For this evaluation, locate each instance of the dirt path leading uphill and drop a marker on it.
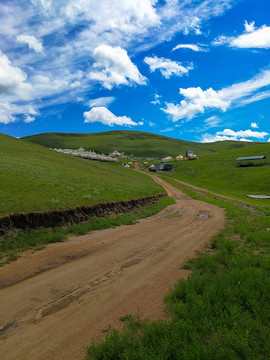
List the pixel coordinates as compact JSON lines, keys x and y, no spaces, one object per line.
{"x":74,"y":290}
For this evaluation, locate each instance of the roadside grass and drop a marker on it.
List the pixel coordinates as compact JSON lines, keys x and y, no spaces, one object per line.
{"x":34,"y":178}
{"x":12,"y":246}
{"x":222,"y":311}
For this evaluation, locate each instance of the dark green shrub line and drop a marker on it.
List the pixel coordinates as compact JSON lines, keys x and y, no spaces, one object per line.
{"x":11,"y":246}
{"x":222,"y":311}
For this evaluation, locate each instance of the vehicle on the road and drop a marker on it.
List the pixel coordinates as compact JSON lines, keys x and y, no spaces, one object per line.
{"x":152,"y":168}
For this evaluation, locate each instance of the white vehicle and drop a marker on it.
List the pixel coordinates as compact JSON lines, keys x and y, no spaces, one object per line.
{"x":190,"y":155}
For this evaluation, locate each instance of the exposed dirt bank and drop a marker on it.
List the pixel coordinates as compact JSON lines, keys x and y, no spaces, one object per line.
{"x":109,"y":273}
{"x":53,"y":218}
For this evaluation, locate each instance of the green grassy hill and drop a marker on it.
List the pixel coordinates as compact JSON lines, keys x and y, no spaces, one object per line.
{"x":218,"y":172}
{"x":139,"y":144}
{"x":33,"y":177}
{"x":36,"y":178}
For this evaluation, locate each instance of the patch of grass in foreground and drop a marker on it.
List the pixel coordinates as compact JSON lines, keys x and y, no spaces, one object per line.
{"x":222,"y":311}
{"x":11,"y":246}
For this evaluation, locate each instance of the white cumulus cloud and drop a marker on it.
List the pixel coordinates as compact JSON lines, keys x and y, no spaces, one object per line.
{"x":114,"y":67}
{"x":13,"y":81}
{"x":121,"y":15}
{"x":32,"y":42}
{"x":196,"y":100}
{"x":209,"y":138}
{"x":103,"y":115}
{"x":8,"y":112}
{"x":29,"y":118}
{"x":167,"y":67}
{"x":254,"y":125}
{"x":228,"y":134}
{"x":253,"y":38}
{"x":249,"y":27}
{"x":243,"y":133}
{"x":71,"y":30}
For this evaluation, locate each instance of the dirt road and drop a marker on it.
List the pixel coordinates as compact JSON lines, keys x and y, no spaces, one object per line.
{"x":64,"y":295}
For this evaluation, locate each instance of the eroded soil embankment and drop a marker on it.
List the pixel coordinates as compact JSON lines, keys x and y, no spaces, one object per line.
{"x":53,"y":218}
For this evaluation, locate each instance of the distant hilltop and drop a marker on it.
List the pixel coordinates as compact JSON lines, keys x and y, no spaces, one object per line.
{"x":138,"y":143}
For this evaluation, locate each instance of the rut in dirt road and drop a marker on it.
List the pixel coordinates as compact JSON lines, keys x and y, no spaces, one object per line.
{"x":74,"y":290}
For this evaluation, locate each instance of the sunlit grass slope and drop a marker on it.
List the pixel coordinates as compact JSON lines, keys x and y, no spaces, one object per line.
{"x":131,"y":142}
{"x":218,"y":172}
{"x":33,"y":177}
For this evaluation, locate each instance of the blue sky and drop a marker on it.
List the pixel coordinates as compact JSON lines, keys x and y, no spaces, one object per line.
{"x":194,"y":70}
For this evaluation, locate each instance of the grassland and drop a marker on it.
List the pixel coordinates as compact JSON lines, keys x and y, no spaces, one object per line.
{"x":222,"y":311}
{"x":34,"y":178}
{"x":140,"y":144}
{"x":218,"y":172}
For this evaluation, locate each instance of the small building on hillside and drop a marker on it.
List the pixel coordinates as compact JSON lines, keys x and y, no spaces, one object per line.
{"x":251,"y":161}
{"x":164,"y":167}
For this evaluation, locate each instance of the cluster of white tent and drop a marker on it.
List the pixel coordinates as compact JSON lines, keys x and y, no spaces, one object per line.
{"x":92,"y":155}
{"x":189,"y":156}
{"x":169,"y":158}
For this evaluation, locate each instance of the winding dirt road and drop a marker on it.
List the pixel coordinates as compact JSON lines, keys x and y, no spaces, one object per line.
{"x":53,"y":301}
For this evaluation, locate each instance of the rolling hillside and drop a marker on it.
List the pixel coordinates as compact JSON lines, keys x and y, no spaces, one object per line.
{"x":33,"y":178}
{"x":218,"y":172}
{"x":139,"y":144}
